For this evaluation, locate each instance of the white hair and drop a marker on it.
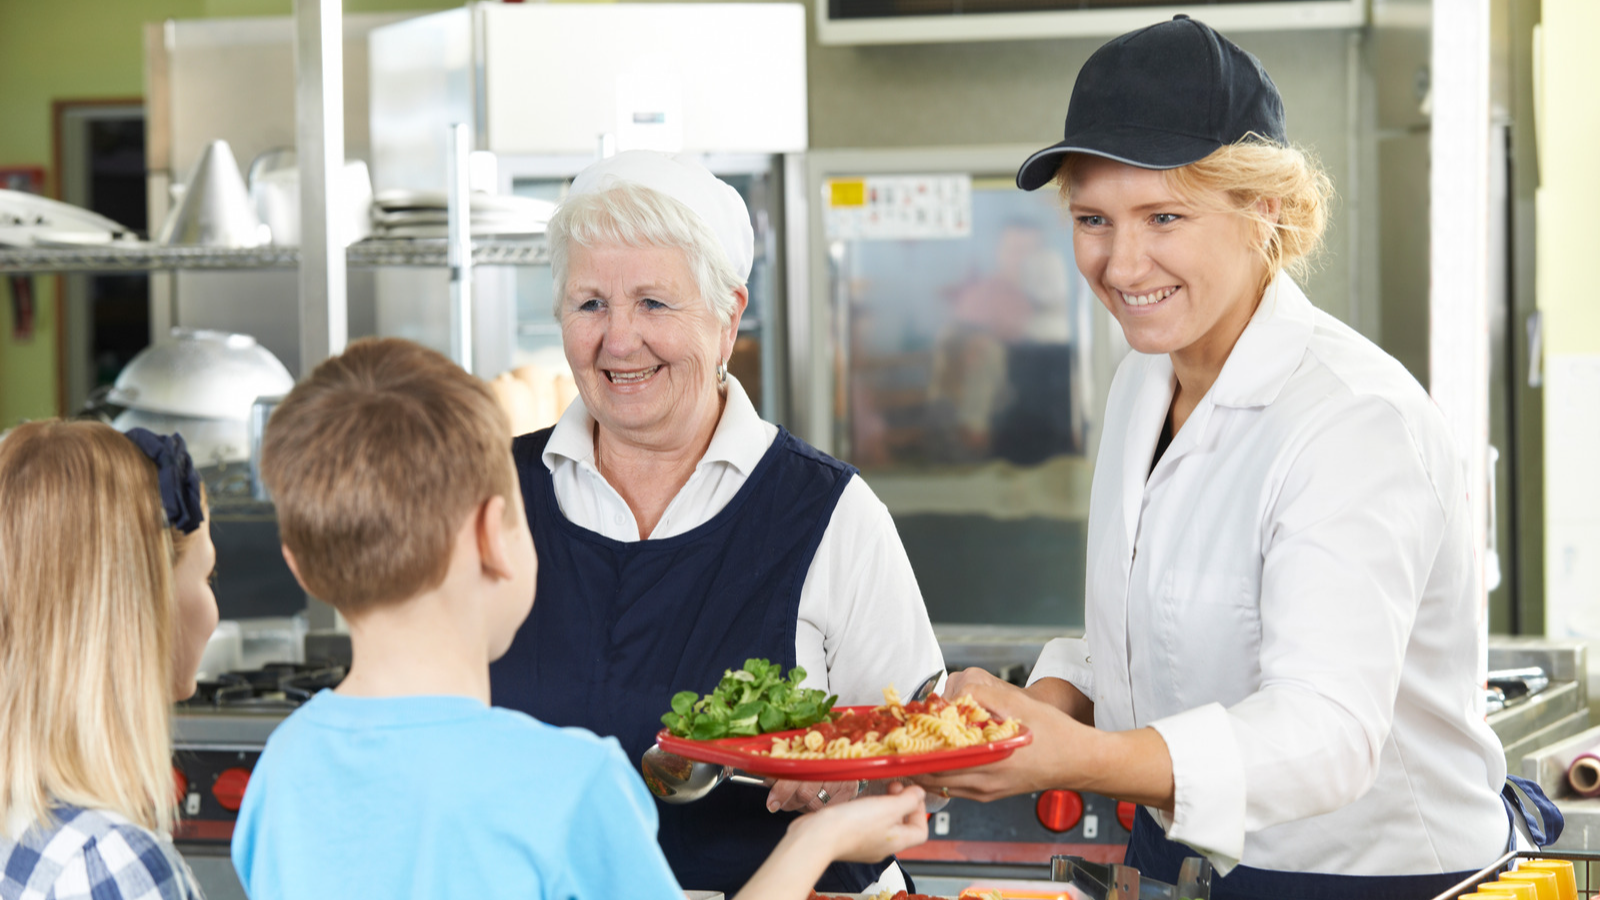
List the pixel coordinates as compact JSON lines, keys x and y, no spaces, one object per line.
{"x":634,"y":215}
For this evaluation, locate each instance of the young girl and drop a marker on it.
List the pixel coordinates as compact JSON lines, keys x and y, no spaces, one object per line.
{"x":105,"y":609}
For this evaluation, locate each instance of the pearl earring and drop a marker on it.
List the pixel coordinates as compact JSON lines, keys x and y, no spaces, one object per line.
{"x":722,"y":374}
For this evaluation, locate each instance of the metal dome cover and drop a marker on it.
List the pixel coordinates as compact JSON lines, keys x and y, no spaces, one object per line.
{"x":203,"y":374}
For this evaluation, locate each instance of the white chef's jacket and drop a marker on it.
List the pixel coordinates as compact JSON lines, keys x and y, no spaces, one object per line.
{"x":862,"y":623}
{"x":1289,"y":599}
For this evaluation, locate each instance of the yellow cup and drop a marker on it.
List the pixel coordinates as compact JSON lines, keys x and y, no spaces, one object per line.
{"x":1566,"y":885}
{"x":1522,"y":890}
{"x":1544,"y":881}
{"x":1489,"y":894}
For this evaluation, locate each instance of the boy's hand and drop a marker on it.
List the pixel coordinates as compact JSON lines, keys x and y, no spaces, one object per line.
{"x":871,"y":828}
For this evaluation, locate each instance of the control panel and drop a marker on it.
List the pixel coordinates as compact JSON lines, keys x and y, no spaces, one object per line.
{"x":1028,"y":828}
{"x":210,"y":783}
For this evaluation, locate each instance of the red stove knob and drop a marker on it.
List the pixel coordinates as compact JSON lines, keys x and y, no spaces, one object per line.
{"x":1125,"y":811}
{"x":229,"y":789}
{"x":180,"y":784}
{"x":1059,"y":810}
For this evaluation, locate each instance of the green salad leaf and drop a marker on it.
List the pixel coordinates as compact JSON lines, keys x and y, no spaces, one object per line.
{"x":756,"y":699}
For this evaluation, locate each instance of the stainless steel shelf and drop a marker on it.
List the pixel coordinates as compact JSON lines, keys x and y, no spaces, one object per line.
{"x":431,"y":252}
{"x":363,"y":255}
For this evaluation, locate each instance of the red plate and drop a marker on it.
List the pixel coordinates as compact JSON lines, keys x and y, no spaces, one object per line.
{"x":740,"y":752}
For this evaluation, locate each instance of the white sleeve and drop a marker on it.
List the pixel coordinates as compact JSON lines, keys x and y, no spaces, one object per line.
{"x":1067,"y":659}
{"x":1349,"y":542}
{"x":862,"y":624}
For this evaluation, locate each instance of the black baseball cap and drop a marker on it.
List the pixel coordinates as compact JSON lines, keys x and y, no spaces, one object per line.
{"x":1163,"y":97}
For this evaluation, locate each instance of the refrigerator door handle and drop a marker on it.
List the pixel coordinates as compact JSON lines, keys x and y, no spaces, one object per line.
{"x":1535,"y":329}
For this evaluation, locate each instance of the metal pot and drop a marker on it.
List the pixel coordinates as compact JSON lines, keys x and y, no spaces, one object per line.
{"x":203,"y":374}
{"x":200,"y":384}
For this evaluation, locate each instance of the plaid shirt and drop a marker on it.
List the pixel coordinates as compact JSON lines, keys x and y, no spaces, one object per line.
{"x":92,"y":855}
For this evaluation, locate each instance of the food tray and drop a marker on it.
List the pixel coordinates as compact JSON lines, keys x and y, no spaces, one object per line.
{"x":740,"y":752}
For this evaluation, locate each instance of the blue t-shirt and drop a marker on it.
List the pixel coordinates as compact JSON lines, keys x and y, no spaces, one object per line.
{"x":442,"y":797}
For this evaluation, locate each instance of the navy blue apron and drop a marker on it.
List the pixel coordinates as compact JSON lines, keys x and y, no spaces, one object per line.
{"x":618,"y":627}
{"x":1152,"y":854}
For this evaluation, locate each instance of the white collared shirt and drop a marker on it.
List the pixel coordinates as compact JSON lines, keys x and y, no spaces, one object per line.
{"x":862,"y":624}
{"x":1289,"y":599}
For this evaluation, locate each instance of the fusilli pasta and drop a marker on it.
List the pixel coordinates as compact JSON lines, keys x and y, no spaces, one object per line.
{"x":897,"y":728}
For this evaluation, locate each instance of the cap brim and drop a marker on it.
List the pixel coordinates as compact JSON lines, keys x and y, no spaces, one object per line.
{"x":1135,"y":147}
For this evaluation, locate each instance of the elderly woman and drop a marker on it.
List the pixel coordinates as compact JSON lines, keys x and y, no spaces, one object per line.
{"x":1282,"y":598}
{"x":678,"y":533}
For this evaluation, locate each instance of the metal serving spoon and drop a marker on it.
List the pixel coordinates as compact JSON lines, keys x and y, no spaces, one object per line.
{"x":677,"y":780}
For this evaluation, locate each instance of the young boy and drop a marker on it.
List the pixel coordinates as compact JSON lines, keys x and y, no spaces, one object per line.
{"x":399,"y":505}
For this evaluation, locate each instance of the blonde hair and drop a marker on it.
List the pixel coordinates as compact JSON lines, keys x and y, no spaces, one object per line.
{"x":87,"y":624}
{"x":374,"y":461}
{"x":634,"y":215}
{"x":1235,"y":177}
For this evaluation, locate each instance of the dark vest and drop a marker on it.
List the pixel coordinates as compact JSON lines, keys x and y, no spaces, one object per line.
{"x":618,"y":627}
{"x":1155,"y":856}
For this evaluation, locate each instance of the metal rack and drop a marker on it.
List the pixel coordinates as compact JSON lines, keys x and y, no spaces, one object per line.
{"x":1585,"y":864}
{"x":368,"y":254}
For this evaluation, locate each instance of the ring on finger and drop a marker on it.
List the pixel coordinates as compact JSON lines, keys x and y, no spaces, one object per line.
{"x":823,"y":796}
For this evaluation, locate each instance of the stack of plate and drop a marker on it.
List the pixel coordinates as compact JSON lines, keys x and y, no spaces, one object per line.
{"x":421,"y":214}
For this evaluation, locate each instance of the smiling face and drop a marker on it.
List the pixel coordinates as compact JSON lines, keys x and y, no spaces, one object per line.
{"x":643,"y":345}
{"x":1179,"y":277}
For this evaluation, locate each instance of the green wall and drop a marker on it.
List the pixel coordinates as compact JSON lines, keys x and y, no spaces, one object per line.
{"x":58,"y":50}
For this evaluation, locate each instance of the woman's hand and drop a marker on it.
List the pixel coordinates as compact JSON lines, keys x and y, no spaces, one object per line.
{"x":806,"y":795}
{"x":1065,"y":753}
{"x":1045,"y":763}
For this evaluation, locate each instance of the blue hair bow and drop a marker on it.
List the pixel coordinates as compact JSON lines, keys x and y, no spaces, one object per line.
{"x":180,"y":483}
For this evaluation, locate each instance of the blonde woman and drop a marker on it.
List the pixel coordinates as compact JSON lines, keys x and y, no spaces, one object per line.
{"x":1282,"y":603}
{"x":105,"y":608}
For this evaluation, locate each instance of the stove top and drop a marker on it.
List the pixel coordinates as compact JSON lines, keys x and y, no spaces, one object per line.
{"x":275,"y":687}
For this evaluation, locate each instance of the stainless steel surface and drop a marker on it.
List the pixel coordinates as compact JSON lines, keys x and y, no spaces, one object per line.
{"x":30,"y":220}
{"x":1119,"y":882}
{"x":319,"y":151}
{"x":1007,"y":651}
{"x":274,"y":184}
{"x":260,"y":412}
{"x":421,"y":252}
{"x":213,"y":870}
{"x":1585,"y":866}
{"x":795,"y":328}
{"x":1547,"y":766}
{"x":1561,"y":660}
{"x":677,"y":780}
{"x":458,"y":250}
{"x":941,"y":22}
{"x":215,"y":210}
{"x":210,"y":441}
{"x":1558,"y":729}
{"x":926,"y":687}
{"x":196,"y":72}
{"x":1518,"y":683}
{"x":204,"y":374}
{"x":475,"y":64}
{"x":1544,"y":717}
{"x":224,"y":729}
{"x":966,"y":378}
